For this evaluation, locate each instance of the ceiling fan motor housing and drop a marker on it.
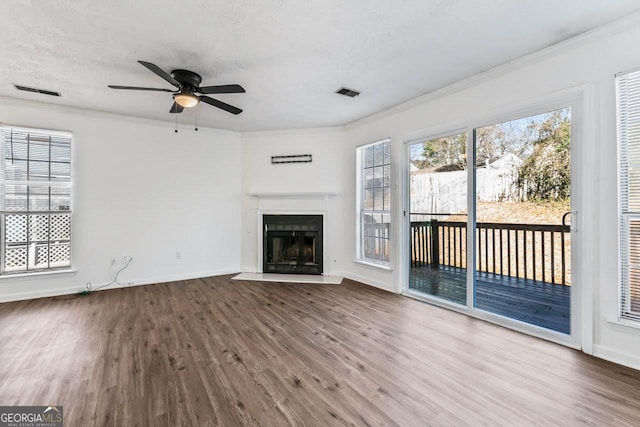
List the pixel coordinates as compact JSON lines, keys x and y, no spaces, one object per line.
{"x":187,"y":78}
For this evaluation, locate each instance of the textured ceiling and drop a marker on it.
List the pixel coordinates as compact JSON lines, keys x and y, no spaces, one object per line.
{"x":289,"y":55}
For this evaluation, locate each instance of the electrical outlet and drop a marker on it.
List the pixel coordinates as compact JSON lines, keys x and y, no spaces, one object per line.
{"x":114,"y":260}
{"x":125,"y":258}
{"x":178,"y":255}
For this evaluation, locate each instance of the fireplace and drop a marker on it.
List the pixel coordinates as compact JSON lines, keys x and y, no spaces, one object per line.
{"x":292,"y":244}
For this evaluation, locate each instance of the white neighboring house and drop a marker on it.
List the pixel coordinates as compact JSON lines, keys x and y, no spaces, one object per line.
{"x":498,"y":181}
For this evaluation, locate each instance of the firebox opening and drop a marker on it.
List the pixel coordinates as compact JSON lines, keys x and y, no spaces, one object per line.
{"x":292,"y":244}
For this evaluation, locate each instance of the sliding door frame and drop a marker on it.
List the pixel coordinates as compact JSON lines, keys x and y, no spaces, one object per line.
{"x":581,"y":303}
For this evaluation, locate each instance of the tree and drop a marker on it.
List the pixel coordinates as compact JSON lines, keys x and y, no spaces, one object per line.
{"x":546,"y":173}
{"x":491,"y":143}
{"x":445,"y":152}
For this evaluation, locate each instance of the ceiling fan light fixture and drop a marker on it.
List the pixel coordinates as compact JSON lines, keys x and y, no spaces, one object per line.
{"x":186,"y":100}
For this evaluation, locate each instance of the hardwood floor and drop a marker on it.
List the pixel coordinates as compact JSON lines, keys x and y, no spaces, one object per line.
{"x":220,"y":352}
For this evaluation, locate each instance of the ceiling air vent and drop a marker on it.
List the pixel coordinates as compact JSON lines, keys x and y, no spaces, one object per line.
{"x":33,"y":89}
{"x":348,"y":92}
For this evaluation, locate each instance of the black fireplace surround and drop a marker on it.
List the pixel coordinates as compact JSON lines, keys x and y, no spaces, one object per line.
{"x":292,"y":244}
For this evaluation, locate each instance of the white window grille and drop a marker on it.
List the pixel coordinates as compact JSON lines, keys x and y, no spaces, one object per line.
{"x":35,"y":200}
{"x":628,"y":115}
{"x":374,"y":201}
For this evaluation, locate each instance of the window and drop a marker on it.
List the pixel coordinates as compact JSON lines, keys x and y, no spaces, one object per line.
{"x":374,"y":201}
{"x":35,"y":200}
{"x":628,"y":100}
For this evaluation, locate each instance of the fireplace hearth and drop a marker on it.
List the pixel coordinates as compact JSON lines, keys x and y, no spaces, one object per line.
{"x":292,"y":244}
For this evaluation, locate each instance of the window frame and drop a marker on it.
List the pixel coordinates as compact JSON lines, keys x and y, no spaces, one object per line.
{"x":360,"y":256}
{"x":51,"y":184}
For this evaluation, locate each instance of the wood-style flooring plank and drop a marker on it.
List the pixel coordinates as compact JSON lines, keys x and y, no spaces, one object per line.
{"x":218,"y":352}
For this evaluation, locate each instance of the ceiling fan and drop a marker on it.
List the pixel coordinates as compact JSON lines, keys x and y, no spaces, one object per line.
{"x":188,"y":86}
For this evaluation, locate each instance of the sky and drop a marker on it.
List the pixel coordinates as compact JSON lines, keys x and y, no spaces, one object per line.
{"x":518,"y":127}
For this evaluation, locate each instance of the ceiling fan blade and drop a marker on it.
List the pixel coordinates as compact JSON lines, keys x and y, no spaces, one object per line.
{"x":221,"y":89}
{"x":140,"y":88}
{"x":159,"y":71}
{"x":175,"y":108}
{"x":221,"y":105}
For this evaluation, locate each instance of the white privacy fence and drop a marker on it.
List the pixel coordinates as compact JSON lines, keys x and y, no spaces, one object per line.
{"x":446,"y":192}
{"x":439,"y":192}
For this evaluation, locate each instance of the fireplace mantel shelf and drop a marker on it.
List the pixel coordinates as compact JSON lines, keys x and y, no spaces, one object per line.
{"x":293,"y":194}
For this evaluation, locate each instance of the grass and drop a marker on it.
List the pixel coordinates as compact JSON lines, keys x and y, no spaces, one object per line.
{"x":522,"y":212}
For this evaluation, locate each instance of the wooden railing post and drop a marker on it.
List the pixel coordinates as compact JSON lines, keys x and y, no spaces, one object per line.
{"x":435,"y":244}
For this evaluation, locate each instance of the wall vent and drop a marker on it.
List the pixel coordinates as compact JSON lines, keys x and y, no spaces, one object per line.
{"x":348,"y":92}
{"x":33,"y":89}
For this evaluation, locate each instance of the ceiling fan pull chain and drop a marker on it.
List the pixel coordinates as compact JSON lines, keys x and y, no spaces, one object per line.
{"x":176,"y":131}
{"x":197,"y":116}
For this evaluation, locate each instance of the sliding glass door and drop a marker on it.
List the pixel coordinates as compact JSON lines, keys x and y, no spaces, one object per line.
{"x":523,"y":240}
{"x":438,"y":217}
{"x":520,"y":237}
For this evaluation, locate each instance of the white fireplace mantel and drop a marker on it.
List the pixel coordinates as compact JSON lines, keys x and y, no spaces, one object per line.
{"x":292,"y":203}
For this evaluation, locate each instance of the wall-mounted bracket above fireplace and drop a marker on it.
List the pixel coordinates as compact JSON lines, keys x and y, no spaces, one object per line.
{"x":296,"y":158}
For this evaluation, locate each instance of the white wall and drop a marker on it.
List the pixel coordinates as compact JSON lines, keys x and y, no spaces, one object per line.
{"x":585,"y":67}
{"x":144,"y":191}
{"x":290,"y":187}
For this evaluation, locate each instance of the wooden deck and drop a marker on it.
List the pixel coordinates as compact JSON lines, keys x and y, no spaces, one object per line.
{"x":531,"y":301}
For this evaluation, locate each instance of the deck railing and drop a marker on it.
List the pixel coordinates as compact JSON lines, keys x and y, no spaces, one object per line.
{"x":531,"y":251}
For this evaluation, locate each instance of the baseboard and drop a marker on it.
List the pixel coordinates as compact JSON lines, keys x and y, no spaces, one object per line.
{"x":615,"y":356}
{"x":177,"y":277}
{"x":45,"y":293}
{"x":41,"y":293}
{"x":366,"y":281}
